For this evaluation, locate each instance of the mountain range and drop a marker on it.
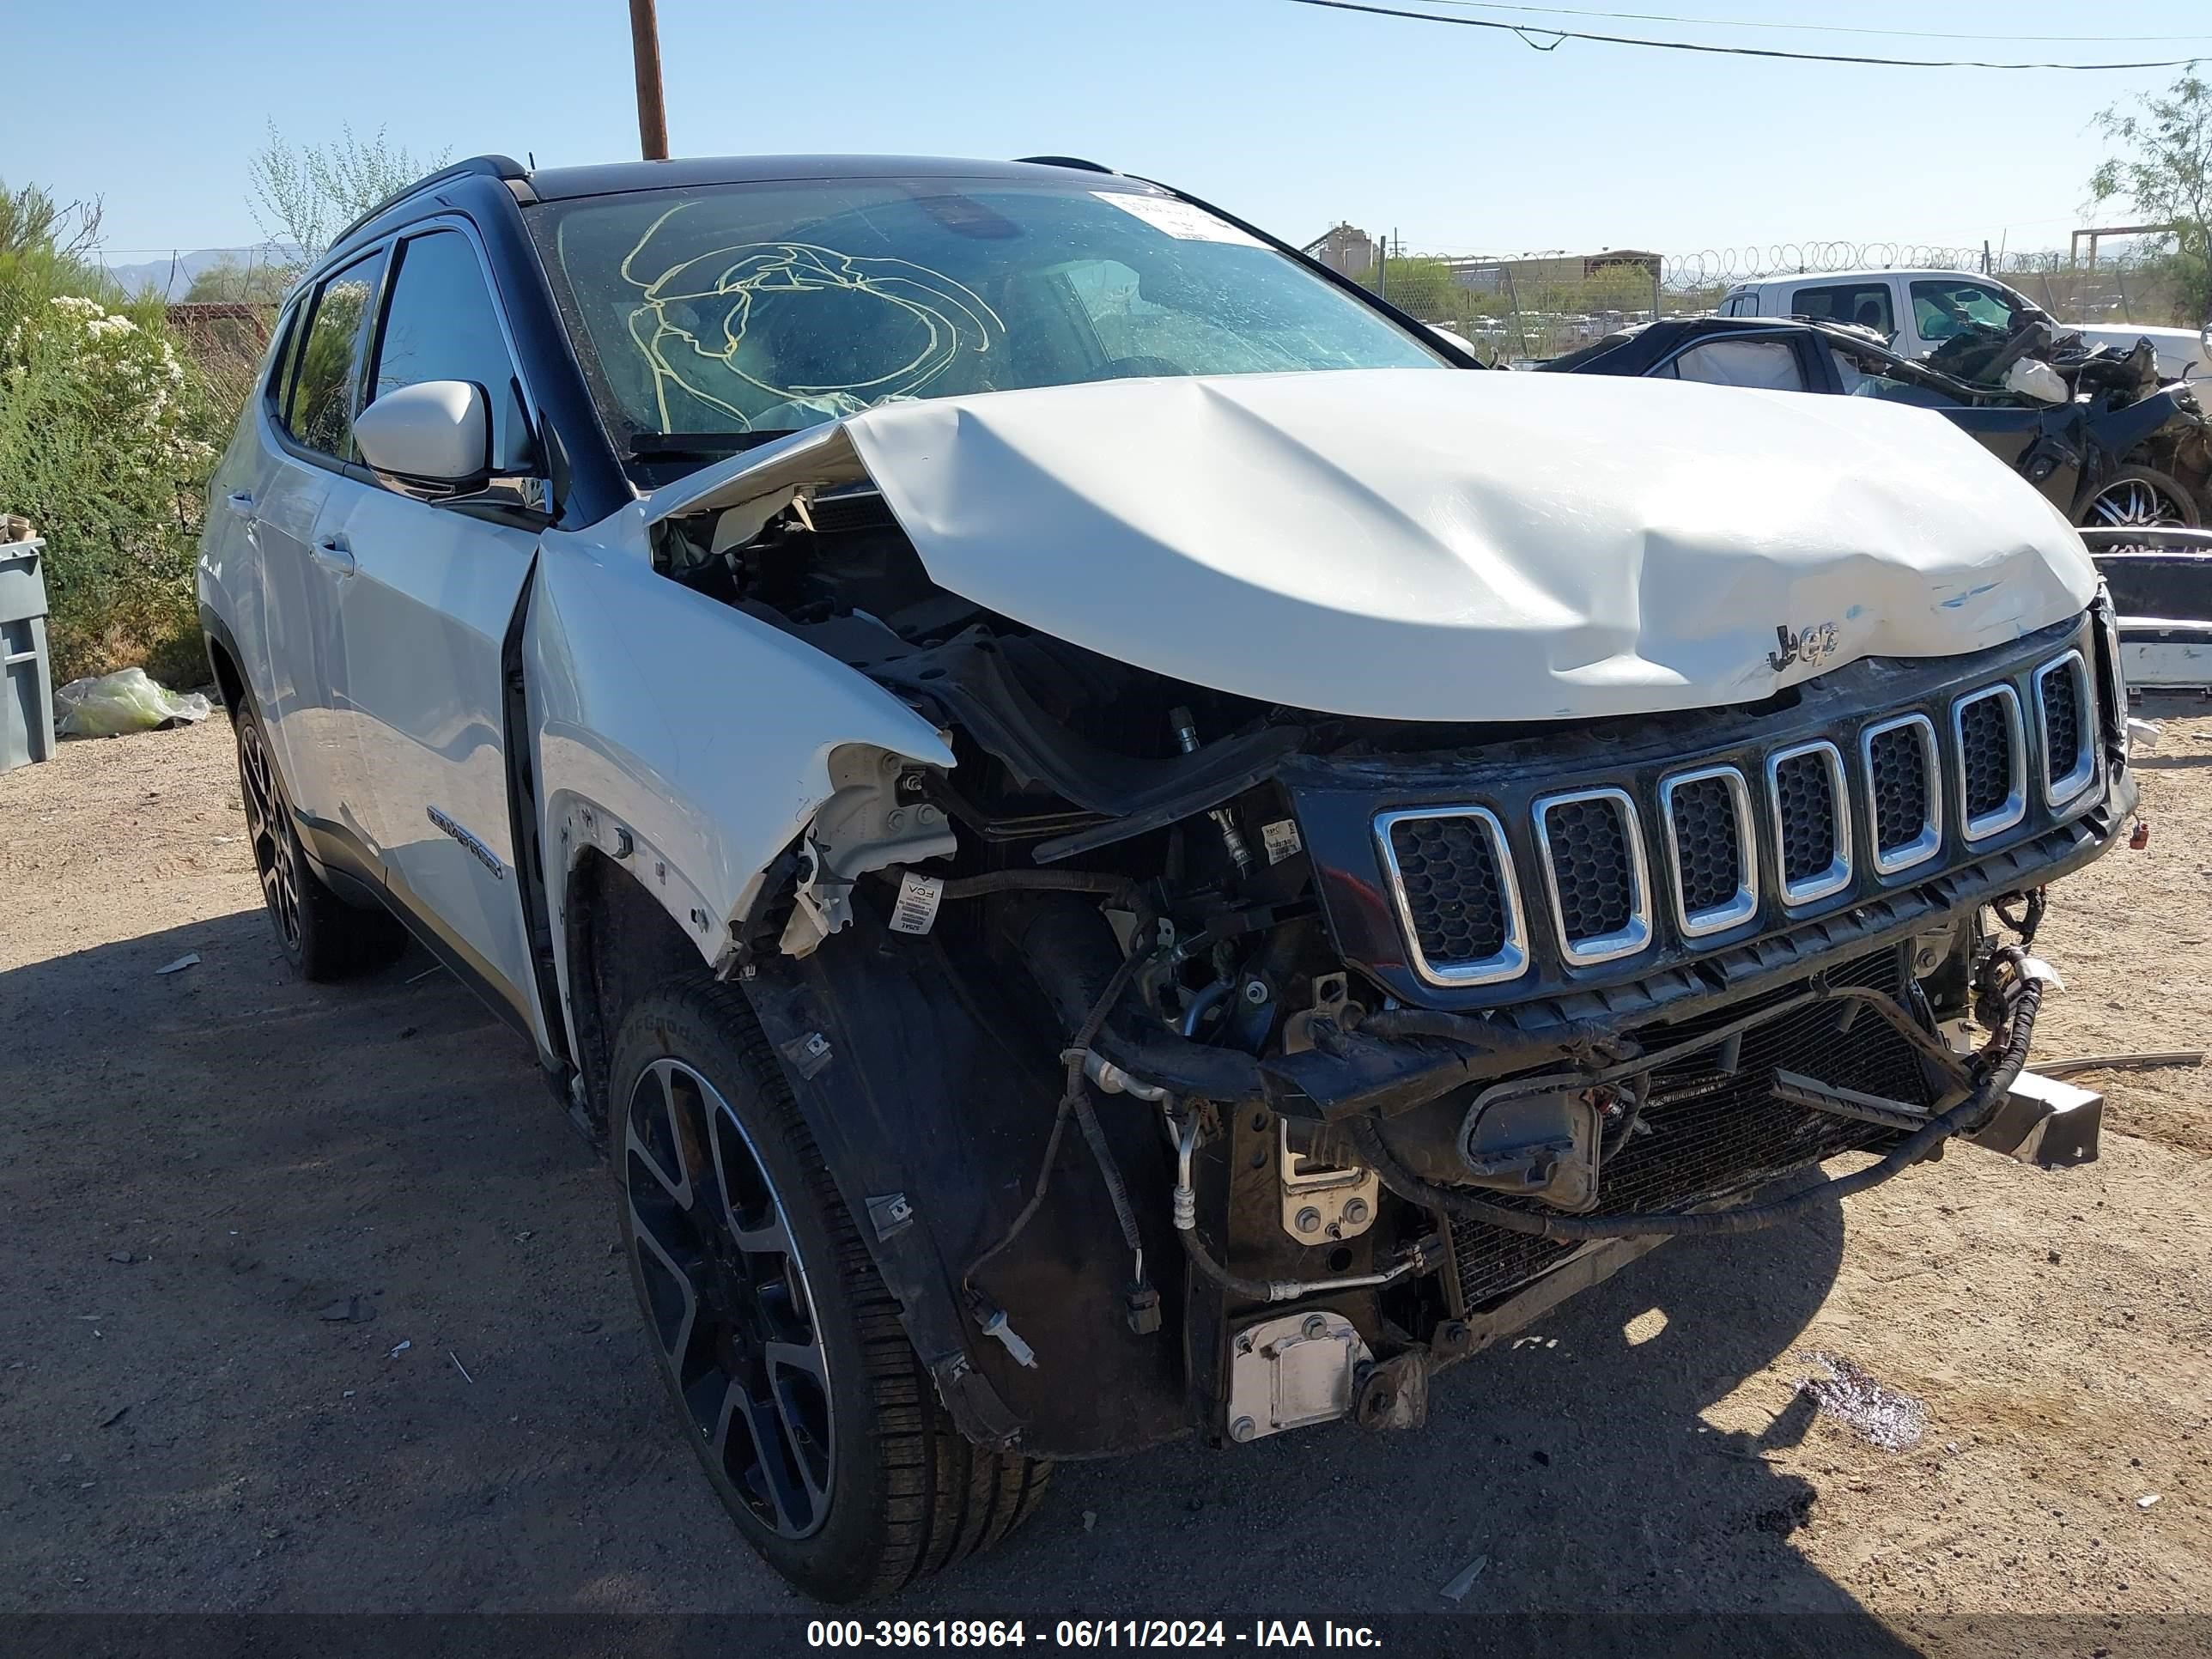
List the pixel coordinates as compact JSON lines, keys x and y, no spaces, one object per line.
{"x":172,"y":278}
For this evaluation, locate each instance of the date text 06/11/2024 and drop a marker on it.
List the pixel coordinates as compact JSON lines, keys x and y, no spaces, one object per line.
{"x":1077,"y":1633}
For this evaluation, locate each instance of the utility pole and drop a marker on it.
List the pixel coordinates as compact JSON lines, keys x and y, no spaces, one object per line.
{"x":652,"y":114}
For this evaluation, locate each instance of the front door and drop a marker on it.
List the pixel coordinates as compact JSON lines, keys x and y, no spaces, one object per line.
{"x":424,"y":619}
{"x":304,"y":580}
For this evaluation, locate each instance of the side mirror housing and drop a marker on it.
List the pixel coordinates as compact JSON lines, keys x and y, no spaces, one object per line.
{"x":434,"y":432}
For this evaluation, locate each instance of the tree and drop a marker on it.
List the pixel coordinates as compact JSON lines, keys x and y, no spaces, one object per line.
{"x":305,"y":194}
{"x":46,"y":248}
{"x":263,"y":281}
{"x":2165,"y":172}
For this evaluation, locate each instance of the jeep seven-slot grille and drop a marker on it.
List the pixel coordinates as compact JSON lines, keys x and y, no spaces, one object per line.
{"x":1985,"y":754}
{"x":1449,"y":874}
{"x":1804,"y":795}
{"x":1708,"y":844}
{"x":1745,"y":838}
{"x":1901,"y":761}
{"x":1592,"y":867}
{"x":1715,"y":1135}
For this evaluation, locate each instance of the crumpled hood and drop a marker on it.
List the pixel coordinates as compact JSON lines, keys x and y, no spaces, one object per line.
{"x":1433,"y":545}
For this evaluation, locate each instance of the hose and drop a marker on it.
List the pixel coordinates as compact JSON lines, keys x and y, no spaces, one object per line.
{"x":2008,"y":1053}
{"x":1283,"y":1290}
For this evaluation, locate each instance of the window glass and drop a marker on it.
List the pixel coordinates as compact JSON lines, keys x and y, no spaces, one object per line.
{"x":284,"y":358}
{"x":319,"y":413}
{"x":753,"y":309}
{"x":1866,"y":304}
{"x":1766,"y":363}
{"x":440,"y":324}
{"x":1941,"y":309}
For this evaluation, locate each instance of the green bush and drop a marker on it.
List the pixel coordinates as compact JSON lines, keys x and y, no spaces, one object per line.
{"x":107,"y":436}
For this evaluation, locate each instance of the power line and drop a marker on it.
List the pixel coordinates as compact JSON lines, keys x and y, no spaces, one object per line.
{"x":1553,"y":37}
{"x":1809,"y":28}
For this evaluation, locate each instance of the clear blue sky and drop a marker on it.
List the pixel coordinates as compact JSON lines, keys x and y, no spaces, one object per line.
{"x":1461,"y":139}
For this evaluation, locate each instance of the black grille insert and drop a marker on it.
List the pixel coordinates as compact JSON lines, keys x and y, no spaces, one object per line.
{"x":1898,"y":759}
{"x":2061,"y":719}
{"x":1712,"y":1134}
{"x":1593,"y":869}
{"x":1708,"y":843}
{"x":1448,"y":870}
{"x":1805,"y":797}
{"x":1985,"y":754}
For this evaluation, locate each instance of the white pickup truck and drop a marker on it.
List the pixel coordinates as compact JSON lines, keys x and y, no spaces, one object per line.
{"x":1917,"y":310}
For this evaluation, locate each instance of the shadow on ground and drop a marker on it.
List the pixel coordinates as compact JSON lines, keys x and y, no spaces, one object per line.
{"x":317,"y":1308}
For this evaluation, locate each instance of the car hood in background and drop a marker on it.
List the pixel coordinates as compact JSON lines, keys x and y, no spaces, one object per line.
{"x":1442,"y":545}
{"x":2181,"y":351}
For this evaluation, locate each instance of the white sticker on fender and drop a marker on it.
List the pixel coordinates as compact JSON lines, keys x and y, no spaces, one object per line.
{"x":918,"y":898}
{"x":1281,"y":839}
{"x":1178,"y":218}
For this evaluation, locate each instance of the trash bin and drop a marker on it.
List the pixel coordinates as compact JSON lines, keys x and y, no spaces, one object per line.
{"x":27,"y":689}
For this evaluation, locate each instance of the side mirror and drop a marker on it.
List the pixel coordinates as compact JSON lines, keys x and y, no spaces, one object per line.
{"x":434,"y":432}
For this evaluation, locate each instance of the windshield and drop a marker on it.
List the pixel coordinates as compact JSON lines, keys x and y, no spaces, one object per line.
{"x":730,"y":314}
{"x":1941,"y":309}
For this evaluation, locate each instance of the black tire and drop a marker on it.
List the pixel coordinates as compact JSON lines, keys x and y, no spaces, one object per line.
{"x":2140,"y":497}
{"x":323,"y":937}
{"x":875,"y":1487}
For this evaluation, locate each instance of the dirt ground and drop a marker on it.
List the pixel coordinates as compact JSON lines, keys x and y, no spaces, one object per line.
{"x":314,"y":1303}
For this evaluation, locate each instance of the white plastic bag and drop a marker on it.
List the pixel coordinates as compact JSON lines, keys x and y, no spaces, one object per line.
{"x":109,"y":705}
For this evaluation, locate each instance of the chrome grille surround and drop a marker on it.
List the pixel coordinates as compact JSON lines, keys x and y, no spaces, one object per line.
{"x":1713,"y":919}
{"x":1623,"y":941}
{"x":1509,"y":962}
{"x":2058,"y":790}
{"x":2014,"y":807}
{"x":1930,"y":839}
{"x":1837,"y":874}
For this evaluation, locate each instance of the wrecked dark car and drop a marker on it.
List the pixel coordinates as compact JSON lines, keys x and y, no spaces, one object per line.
{"x":1113,"y":845}
{"x":2107,"y":443}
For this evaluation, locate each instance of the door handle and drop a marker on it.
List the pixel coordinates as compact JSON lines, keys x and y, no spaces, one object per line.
{"x":240,"y":501}
{"x":337,"y":553}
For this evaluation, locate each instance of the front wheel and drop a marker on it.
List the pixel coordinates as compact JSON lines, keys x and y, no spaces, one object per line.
{"x":2140,"y":498}
{"x":819,"y":1427}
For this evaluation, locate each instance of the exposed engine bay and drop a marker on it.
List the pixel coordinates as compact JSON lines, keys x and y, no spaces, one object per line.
{"x":1421,"y":1027}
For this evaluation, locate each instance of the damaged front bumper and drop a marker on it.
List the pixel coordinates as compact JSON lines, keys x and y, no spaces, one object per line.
{"x":1969,"y":724}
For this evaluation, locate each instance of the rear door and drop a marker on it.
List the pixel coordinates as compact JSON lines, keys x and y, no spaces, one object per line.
{"x":1867,"y":302}
{"x":437,"y":576}
{"x":303,"y":580}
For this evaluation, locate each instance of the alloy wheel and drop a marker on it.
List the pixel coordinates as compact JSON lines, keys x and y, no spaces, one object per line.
{"x":727,"y":1297}
{"x":2133,"y":504}
{"x":267,"y":826}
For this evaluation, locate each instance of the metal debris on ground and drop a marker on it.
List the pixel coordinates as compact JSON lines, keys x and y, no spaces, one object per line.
{"x":1464,"y":1581}
{"x":2144,"y":1062}
{"x":459,"y":1367}
{"x":190,"y":959}
{"x":1849,"y":1393}
{"x":397,"y":1351}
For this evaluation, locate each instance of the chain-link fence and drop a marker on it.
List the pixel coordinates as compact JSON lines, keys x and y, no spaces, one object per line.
{"x":1534,"y":307}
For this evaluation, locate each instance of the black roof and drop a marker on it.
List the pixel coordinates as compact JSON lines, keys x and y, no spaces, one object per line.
{"x":564,"y":184}
{"x":560,"y":184}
